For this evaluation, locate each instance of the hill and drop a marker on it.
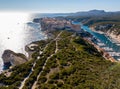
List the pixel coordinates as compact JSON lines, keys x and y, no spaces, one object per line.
{"x":100,"y":21}
{"x":65,"y":61}
{"x":95,"y":13}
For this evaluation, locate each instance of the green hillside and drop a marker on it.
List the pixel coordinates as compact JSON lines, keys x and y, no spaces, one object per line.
{"x":67,"y":62}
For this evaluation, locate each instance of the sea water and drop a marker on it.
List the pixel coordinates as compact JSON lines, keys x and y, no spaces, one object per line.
{"x":15,"y":33}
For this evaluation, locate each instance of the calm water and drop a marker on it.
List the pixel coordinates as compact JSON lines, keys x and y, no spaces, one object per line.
{"x":15,"y":33}
{"x":112,"y":48}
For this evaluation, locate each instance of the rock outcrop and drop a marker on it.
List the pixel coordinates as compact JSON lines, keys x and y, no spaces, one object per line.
{"x":30,"y":49}
{"x":51,"y":24}
{"x":11,"y":58}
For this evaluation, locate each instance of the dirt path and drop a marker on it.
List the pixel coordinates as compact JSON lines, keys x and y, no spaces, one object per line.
{"x":23,"y":82}
{"x":32,"y":69}
{"x":56,"y":50}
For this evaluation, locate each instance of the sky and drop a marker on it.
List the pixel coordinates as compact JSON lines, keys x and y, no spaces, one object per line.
{"x":58,"y":6}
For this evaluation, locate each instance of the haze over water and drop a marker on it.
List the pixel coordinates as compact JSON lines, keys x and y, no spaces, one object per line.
{"x":15,"y":33}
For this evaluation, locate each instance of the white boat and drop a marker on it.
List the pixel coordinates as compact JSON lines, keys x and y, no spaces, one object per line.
{"x":101,"y":44}
{"x":118,"y":44}
{"x":108,"y":49}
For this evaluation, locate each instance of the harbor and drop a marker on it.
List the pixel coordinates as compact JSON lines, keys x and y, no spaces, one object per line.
{"x":105,"y":43}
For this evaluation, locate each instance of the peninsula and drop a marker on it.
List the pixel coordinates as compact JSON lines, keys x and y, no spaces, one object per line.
{"x":66,"y":60}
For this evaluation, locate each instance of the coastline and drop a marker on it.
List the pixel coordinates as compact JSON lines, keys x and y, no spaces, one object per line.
{"x":29,"y":49}
{"x":27,"y":53}
{"x":113,"y":38}
{"x":32,"y":44}
{"x":112,"y":42}
{"x":46,"y":56}
{"x":101,"y":50}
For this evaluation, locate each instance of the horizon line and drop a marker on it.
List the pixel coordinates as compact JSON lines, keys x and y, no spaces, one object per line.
{"x":53,"y":12}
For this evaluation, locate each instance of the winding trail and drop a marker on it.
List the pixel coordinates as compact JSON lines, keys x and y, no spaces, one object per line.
{"x":23,"y":82}
{"x":32,"y":69}
{"x":56,"y":50}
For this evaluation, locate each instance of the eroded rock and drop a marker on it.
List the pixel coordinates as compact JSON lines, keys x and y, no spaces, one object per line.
{"x":11,"y":58}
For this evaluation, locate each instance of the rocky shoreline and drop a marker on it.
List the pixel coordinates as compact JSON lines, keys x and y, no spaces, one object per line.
{"x":11,"y":58}
{"x":113,"y":37}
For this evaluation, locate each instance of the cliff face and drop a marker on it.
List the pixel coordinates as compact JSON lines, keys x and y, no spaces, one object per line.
{"x":51,"y":24}
{"x":12,"y":58}
{"x":114,"y":35}
{"x":30,"y":49}
{"x":111,"y":30}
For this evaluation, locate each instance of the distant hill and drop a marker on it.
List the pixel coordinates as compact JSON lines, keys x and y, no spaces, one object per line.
{"x":90,"y":13}
{"x":95,"y":13}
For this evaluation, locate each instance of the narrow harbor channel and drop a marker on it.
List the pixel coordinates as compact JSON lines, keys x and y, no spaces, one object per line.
{"x":105,"y":43}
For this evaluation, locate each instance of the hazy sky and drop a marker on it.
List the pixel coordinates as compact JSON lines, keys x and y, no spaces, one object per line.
{"x":58,"y":5}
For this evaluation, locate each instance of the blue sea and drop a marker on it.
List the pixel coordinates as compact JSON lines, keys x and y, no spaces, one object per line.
{"x":16,"y":33}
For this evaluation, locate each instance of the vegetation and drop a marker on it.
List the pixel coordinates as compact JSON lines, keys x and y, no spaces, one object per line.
{"x":92,"y":20}
{"x":18,"y":74}
{"x":109,"y":22}
{"x":76,"y":65}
